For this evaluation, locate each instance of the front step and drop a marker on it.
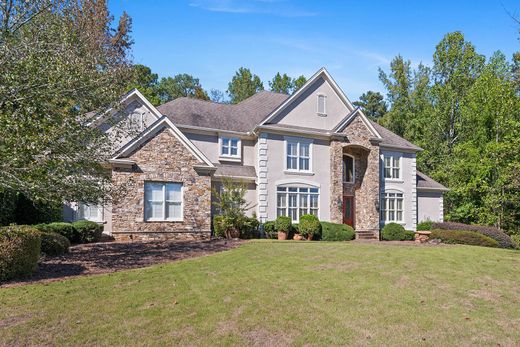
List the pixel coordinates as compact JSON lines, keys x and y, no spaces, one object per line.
{"x":366,"y":235}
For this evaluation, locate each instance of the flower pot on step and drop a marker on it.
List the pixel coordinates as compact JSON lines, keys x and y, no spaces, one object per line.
{"x":309,"y":237}
{"x":282,"y":235}
{"x":297,"y":237}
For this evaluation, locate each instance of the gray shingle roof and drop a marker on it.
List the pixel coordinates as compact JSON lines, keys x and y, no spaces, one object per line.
{"x":426,"y":182}
{"x":393,"y":140}
{"x":227,"y":170}
{"x":241,"y":117}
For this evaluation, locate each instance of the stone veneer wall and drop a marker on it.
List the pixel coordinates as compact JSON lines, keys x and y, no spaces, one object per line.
{"x":163,"y":158}
{"x":366,"y":186}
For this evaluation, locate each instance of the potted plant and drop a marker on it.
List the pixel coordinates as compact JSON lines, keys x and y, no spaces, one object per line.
{"x":309,"y":226}
{"x":283,"y":225}
{"x":296,"y":233}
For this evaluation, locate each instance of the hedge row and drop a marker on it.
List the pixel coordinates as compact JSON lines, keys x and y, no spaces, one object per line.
{"x":464,"y":237}
{"x":329,"y":231}
{"x":78,"y":232}
{"x":503,"y":239}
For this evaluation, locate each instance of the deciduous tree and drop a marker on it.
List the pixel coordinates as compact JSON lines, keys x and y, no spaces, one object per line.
{"x":243,"y":85}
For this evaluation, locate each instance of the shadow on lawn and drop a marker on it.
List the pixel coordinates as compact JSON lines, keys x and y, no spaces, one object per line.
{"x":114,"y":256}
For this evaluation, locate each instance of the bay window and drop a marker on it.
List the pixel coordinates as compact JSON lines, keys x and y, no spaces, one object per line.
{"x":392,"y":207}
{"x":296,"y":201}
{"x":163,"y":201}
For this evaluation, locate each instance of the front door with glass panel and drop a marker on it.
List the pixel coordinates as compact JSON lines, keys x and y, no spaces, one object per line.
{"x":348,"y":210}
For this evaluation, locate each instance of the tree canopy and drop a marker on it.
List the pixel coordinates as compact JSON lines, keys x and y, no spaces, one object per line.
{"x":285,"y":84}
{"x":243,"y":85}
{"x":372,"y":104}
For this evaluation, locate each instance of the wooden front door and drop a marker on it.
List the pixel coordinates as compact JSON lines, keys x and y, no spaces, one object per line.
{"x":348,"y":210}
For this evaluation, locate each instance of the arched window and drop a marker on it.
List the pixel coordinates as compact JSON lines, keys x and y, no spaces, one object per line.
{"x":348,"y":168}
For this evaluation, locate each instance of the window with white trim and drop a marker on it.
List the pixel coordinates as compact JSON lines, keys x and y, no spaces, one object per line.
{"x":90,"y":212}
{"x":348,"y":169}
{"x":163,"y":201}
{"x":298,"y":155}
{"x":230,"y":147}
{"x":392,"y":207}
{"x":296,"y":201}
{"x":392,"y":167}
{"x":322,"y":104}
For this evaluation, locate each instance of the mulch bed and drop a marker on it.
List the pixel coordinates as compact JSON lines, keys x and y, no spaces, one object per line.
{"x":97,"y":258}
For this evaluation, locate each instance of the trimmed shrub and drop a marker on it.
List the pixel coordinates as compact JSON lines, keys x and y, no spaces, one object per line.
{"x":19,"y":251}
{"x":54,"y":244}
{"x":516,"y":240}
{"x":309,"y":226}
{"x":409,"y":235}
{"x":337,"y":232}
{"x":240,"y":226}
{"x":393,"y":232}
{"x":249,"y":228}
{"x":283,"y":223}
{"x":424,"y":225}
{"x":503,"y":239}
{"x":270,"y":229}
{"x":464,"y":237}
{"x":88,"y":231}
{"x":62,"y":228}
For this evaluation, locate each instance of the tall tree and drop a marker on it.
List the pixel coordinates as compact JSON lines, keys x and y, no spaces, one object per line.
{"x":299,"y":82}
{"x":180,"y":85}
{"x":281,"y":84}
{"x":372,"y":104}
{"x":146,"y":82}
{"x":216,"y":95}
{"x":243,"y":85}
{"x":58,"y":60}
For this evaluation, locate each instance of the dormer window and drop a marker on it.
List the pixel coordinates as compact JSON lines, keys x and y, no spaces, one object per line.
{"x":230,"y":147}
{"x":322,"y":104}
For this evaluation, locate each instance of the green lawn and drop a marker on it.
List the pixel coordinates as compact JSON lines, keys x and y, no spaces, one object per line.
{"x":282,"y":293}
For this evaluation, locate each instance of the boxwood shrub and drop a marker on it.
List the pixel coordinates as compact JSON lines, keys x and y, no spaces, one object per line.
{"x":309,"y":226}
{"x":337,"y":232}
{"x":88,"y":231}
{"x":54,"y":244}
{"x":503,"y":239}
{"x":464,"y":237}
{"x":270,"y":230}
{"x":516,"y":240}
{"x":62,"y":228}
{"x":283,"y":223}
{"x":19,"y":251}
{"x":424,"y":225}
{"x":394,"y":232}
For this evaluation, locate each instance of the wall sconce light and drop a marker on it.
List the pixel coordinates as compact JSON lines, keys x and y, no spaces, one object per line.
{"x":376,"y":204}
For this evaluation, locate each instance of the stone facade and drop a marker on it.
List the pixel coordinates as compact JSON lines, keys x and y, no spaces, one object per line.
{"x":365,"y":189}
{"x":163,"y":158}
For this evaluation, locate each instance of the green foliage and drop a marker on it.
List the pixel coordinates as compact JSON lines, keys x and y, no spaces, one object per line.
{"x":236,"y":227}
{"x":243,"y":85}
{"x":393,"y":232}
{"x":181,"y":85}
{"x":270,"y":230}
{"x":146,"y":82}
{"x":515,"y":239}
{"x":463,"y":237}
{"x":424,"y":225}
{"x":337,"y":232}
{"x":409,"y":235}
{"x":285,"y":84}
{"x":53,"y":244}
{"x":62,"y":228}
{"x":88,"y":231}
{"x":15,"y":208}
{"x":19,"y":251}
{"x":502,"y":238}
{"x":372,"y":104}
{"x":309,"y":226}
{"x":299,"y":82}
{"x":283,"y":224}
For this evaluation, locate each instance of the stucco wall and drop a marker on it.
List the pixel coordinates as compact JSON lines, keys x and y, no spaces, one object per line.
{"x":208,"y":145}
{"x":303,"y":111}
{"x":251,"y":199}
{"x":405,"y":185}
{"x":276,"y":173}
{"x":429,"y":206}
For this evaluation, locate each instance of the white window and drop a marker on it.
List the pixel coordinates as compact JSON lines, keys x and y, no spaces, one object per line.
{"x":392,"y":167}
{"x":322,"y":104}
{"x":162,"y":201}
{"x":298,"y":155}
{"x":230,"y":147}
{"x":90,"y":212}
{"x":296,"y":201}
{"x":348,"y":169}
{"x":392,"y":207}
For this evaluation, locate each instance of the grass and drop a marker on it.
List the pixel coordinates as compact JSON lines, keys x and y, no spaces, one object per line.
{"x":282,"y":293}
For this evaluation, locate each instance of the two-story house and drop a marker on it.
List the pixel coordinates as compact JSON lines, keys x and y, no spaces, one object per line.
{"x":311,"y":152}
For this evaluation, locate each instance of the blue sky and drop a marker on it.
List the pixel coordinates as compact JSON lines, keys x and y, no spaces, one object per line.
{"x":211,"y":39}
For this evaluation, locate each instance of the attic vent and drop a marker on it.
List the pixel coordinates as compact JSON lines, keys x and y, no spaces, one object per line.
{"x":322,"y":102}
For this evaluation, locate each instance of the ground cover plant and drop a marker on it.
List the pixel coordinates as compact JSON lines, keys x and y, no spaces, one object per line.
{"x":464,"y":237}
{"x":419,"y":295}
{"x":503,"y":239}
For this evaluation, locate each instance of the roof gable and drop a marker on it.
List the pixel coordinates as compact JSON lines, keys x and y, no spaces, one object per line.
{"x":320,"y":83}
{"x":349,"y":118}
{"x":153,"y":130}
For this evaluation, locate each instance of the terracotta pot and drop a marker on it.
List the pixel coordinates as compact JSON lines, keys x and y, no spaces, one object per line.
{"x":297,"y":237}
{"x":282,"y":235}
{"x":309,"y":237}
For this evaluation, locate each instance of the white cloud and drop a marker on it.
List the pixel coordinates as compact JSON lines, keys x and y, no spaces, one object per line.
{"x":279,"y":8}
